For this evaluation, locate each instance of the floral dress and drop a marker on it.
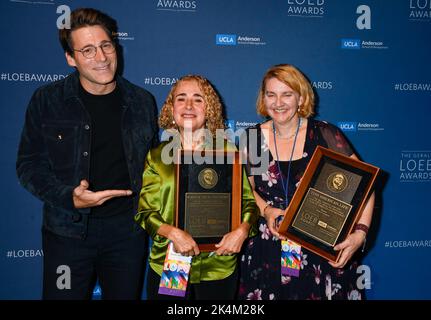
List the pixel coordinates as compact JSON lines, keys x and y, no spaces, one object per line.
{"x":260,"y":266}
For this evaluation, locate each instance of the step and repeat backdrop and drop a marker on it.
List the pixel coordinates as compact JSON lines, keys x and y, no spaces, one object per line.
{"x":368,"y":61}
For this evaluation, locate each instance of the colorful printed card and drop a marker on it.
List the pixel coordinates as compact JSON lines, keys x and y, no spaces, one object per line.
{"x":290,"y":258}
{"x":175,"y":276}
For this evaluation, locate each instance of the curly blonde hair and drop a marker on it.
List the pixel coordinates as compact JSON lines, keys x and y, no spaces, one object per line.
{"x":213,"y":106}
{"x":292,"y":77}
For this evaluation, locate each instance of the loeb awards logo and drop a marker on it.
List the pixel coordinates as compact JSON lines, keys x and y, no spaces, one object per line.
{"x":420,"y":10}
{"x":306,"y":9}
{"x":34,"y":2}
{"x":415,"y":166}
{"x":174,"y":5}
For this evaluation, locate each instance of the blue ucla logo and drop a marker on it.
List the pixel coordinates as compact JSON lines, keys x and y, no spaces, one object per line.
{"x":350,"y":44}
{"x":230,"y":124}
{"x":347,"y":126}
{"x":226,"y":39}
{"x":97,"y":292}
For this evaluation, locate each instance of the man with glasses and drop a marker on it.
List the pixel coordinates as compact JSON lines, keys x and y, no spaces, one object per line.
{"x":82,"y":151}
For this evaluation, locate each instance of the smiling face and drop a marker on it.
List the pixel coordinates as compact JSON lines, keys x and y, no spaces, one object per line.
{"x":281,"y":102}
{"x":96,"y":74}
{"x":189,"y":106}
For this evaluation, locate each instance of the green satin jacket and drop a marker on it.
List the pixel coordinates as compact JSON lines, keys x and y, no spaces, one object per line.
{"x":156,"y":206}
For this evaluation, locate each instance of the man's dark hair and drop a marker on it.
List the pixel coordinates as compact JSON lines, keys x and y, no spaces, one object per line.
{"x":84,"y":17}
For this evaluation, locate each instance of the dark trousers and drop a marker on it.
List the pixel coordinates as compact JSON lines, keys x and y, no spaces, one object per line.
{"x":112,"y":253}
{"x":224,"y":289}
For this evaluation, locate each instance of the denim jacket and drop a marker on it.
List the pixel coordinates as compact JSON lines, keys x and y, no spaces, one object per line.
{"x":54,"y":151}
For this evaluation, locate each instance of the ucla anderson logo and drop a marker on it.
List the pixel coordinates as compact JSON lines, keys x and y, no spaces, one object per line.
{"x":230,"y":124}
{"x":348,"y":126}
{"x":226,"y":39}
{"x":350,"y":44}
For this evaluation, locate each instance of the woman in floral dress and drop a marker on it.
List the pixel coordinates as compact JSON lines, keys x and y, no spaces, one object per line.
{"x":288,"y":140}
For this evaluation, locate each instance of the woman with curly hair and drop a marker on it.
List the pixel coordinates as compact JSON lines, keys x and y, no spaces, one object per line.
{"x":192,"y":113}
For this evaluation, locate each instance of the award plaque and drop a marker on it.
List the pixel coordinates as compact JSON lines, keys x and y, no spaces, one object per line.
{"x":328,"y":202}
{"x":208,"y":195}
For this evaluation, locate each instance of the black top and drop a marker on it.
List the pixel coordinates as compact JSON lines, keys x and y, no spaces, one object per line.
{"x":260,"y":265}
{"x":108,"y":167}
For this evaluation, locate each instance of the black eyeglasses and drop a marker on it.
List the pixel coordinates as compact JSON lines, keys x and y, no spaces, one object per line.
{"x":90,"y":51}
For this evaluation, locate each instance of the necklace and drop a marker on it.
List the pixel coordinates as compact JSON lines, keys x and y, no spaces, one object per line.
{"x":288,"y":137}
{"x":285,"y":185}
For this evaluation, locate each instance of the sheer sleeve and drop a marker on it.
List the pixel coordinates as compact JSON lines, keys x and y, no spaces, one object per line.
{"x":335,"y":139}
{"x":243,"y":148}
{"x":250,"y":146}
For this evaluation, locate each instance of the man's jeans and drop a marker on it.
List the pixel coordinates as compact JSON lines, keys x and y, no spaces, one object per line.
{"x":112,"y":253}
